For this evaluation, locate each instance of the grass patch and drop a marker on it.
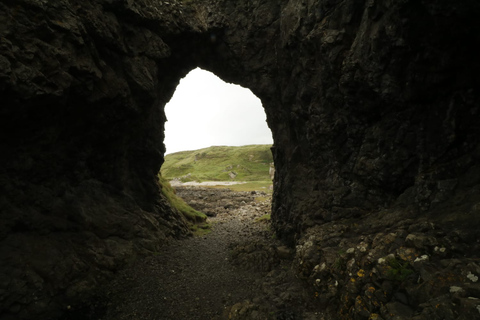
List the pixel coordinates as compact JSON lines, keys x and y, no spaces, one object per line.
{"x":398,"y":270}
{"x":339,"y":264}
{"x":201,"y":229}
{"x":188,"y":212}
{"x":264,"y":218}
{"x":220,"y":163}
{"x":261,"y":199}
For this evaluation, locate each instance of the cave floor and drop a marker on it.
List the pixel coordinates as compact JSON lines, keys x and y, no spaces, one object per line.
{"x":237,"y":268}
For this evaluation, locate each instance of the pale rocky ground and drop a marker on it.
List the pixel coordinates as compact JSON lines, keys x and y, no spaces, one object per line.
{"x":177,"y":183}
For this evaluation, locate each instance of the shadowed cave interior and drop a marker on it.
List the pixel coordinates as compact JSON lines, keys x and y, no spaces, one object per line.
{"x":373,"y":108}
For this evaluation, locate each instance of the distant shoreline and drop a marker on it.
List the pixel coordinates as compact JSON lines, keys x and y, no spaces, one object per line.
{"x":176,"y":183}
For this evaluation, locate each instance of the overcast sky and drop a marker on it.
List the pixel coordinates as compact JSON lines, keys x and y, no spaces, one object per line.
{"x":205,"y":111}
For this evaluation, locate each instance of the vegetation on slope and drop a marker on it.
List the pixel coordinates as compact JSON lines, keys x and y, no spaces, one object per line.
{"x":188,"y":212}
{"x":220,"y":163}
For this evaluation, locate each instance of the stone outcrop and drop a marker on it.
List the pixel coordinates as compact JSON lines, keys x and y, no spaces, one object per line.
{"x":214,"y":201}
{"x":82,"y":132}
{"x":373,"y":107}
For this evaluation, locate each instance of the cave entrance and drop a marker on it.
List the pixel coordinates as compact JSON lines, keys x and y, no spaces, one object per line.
{"x":205,"y":111}
{"x":216,"y":135}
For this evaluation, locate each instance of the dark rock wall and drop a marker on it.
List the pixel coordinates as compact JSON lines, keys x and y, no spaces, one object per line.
{"x":82,"y":89}
{"x":382,"y":101}
{"x":371,"y":104}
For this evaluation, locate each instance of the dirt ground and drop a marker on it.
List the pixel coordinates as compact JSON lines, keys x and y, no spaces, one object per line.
{"x":238,"y":270}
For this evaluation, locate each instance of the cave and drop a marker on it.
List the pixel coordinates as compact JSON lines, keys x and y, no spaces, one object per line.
{"x":373,"y":108}
{"x":205,"y":111}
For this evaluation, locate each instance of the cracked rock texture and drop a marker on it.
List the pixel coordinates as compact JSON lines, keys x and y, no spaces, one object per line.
{"x":373,"y":106}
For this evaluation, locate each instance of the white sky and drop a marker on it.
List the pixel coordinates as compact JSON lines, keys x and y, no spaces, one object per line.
{"x":205,"y":111}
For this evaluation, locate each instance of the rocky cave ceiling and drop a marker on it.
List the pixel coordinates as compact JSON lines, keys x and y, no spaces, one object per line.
{"x":373,"y":106}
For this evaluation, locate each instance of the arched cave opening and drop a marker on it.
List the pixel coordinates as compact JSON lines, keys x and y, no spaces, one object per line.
{"x":373,"y":107}
{"x":217,"y":137}
{"x":205,"y":111}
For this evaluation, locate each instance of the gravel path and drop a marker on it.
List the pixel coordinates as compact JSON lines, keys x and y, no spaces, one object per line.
{"x":195,"y":278}
{"x":240,"y":272}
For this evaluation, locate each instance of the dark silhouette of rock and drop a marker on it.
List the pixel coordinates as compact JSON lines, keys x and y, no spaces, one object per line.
{"x":373,"y":108}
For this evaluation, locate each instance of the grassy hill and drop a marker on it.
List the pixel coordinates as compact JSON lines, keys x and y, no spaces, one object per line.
{"x":222,"y":163}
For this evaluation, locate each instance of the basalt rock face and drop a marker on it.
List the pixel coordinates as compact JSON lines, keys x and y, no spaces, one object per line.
{"x":82,"y":88}
{"x":373,"y":107}
{"x":380,"y":100}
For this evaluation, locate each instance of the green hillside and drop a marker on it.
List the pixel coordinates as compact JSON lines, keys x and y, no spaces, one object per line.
{"x":222,"y":163}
